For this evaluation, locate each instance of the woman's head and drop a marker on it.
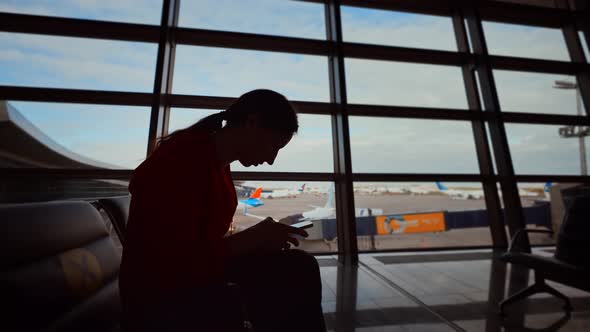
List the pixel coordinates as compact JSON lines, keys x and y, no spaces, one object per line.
{"x":266,"y":121}
{"x":260,"y":123}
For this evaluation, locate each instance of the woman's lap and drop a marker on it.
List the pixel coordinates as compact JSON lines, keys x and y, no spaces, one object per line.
{"x":280,"y":290}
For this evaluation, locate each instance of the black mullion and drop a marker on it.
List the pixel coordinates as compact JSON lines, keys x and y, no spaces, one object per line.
{"x":493,"y":206}
{"x":78,"y":28}
{"x":163,"y":79}
{"x":576,"y":52}
{"x":345,"y":213}
{"x":57,"y":95}
{"x":513,"y":208}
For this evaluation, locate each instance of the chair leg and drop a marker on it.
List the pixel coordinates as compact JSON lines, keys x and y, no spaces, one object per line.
{"x":567,"y":306}
{"x":538,"y":287}
{"x":532,"y":289}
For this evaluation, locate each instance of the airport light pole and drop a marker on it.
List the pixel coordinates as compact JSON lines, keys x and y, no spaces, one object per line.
{"x":570,"y":131}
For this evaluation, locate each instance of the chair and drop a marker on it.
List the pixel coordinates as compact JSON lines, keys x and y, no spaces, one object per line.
{"x":59,"y":268}
{"x":117,"y":208}
{"x":567,"y":266}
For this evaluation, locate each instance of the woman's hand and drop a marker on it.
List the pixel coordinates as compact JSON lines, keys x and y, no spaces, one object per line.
{"x":267,"y":235}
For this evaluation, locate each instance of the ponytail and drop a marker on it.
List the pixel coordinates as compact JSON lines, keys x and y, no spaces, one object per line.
{"x":276,"y":112}
{"x":210,"y":123}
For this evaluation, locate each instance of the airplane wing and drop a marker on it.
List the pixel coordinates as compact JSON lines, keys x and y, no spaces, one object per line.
{"x":254,"y":216}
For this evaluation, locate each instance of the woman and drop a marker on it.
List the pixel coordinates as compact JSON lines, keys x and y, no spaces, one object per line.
{"x":177,"y":261}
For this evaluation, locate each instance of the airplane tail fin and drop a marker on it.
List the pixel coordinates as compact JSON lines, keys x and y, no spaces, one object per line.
{"x":256,"y":193}
{"x":330,"y":202}
{"x":441,"y":186}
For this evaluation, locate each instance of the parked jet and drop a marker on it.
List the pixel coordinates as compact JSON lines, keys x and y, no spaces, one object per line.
{"x":460,"y":194}
{"x":329,"y":211}
{"x":252,"y":201}
{"x":323,"y":212}
{"x":280,"y":193}
{"x":478,"y":194}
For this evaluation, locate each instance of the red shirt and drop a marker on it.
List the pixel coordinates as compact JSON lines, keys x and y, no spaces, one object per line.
{"x":182,"y":205}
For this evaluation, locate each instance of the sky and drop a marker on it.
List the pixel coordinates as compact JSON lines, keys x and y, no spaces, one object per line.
{"x":118,"y":134}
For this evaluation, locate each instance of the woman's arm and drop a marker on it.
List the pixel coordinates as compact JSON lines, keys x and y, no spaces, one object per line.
{"x":267,"y":235}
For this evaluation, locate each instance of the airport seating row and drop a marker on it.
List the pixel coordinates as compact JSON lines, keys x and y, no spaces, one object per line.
{"x":59,"y":268}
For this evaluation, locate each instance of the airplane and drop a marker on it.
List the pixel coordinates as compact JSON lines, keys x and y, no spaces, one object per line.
{"x":280,"y":193}
{"x":329,"y":211}
{"x":460,"y":194}
{"x":321,"y":212}
{"x":478,"y":194}
{"x":252,"y":201}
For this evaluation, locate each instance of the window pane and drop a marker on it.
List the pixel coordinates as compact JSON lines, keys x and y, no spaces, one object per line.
{"x":289,"y":203}
{"x":525,"y":41}
{"x":370,"y":26}
{"x":539,"y":149}
{"x":310,"y":150}
{"x":382,"y":145}
{"x":538,"y":204}
{"x":231,"y":73}
{"x":132,"y":11}
{"x":63,"y":62}
{"x":74,"y":135}
{"x":536,"y":93}
{"x":403,"y":215}
{"x":404,"y":84}
{"x":269,"y":17}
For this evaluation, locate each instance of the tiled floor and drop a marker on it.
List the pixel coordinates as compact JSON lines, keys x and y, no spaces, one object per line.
{"x":440,"y":291}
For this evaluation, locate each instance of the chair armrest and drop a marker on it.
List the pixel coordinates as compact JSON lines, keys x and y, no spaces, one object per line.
{"x":519,"y":233}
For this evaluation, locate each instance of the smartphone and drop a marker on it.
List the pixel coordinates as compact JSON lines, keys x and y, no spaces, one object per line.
{"x":302,"y":224}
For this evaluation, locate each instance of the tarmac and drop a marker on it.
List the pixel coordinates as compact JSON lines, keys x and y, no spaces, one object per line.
{"x":390,"y":204}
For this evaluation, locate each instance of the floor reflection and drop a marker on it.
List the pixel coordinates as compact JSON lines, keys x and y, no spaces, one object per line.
{"x":451,"y":291}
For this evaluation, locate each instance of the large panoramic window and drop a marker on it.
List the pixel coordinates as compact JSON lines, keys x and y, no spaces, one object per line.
{"x":230,"y":73}
{"x":76,"y":63}
{"x":105,"y":136}
{"x":387,"y":145}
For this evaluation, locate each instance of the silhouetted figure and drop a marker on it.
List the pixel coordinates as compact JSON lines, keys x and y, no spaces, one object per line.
{"x":176,"y":261}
